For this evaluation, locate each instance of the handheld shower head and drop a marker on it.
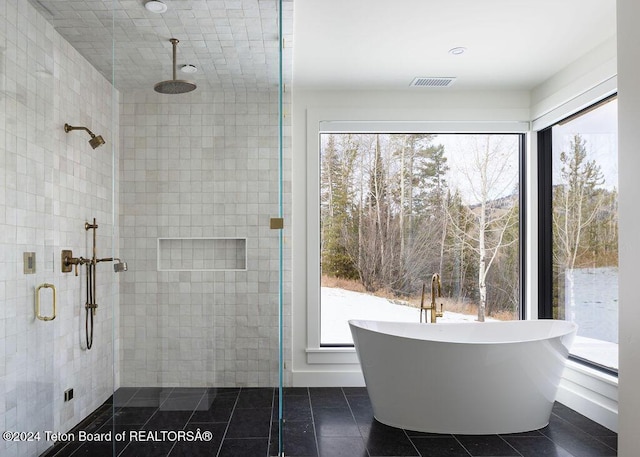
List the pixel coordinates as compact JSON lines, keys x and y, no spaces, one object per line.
{"x":118,"y":265}
{"x":95,"y":141}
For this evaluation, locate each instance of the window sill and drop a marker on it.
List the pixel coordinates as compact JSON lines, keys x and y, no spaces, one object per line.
{"x":581,"y":369}
{"x":332,"y":355}
{"x":601,"y":353}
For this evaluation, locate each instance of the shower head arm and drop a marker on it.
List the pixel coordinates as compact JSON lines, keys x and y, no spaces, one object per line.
{"x":68,"y":128}
{"x":109,"y":259}
{"x":174,"y":42}
{"x":118,"y":265}
{"x":175,"y":85}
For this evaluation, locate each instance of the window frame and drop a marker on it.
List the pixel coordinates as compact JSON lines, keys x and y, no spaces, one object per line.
{"x":316,"y":125}
{"x":545,"y":227}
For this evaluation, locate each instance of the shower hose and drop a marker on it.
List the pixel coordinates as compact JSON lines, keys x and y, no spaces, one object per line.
{"x":90,"y":306}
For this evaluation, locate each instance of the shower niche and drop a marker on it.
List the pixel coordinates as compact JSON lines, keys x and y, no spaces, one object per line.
{"x":202,"y":254}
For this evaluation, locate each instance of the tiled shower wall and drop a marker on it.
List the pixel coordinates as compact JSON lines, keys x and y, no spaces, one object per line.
{"x":51,"y":182}
{"x":201,"y":165}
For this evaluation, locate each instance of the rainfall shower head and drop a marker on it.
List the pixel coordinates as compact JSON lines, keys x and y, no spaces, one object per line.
{"x":174,"y":86}
{"x":95,"y":141}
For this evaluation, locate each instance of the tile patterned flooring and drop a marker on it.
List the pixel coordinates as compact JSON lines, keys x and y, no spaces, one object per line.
{"x":319,"y":422}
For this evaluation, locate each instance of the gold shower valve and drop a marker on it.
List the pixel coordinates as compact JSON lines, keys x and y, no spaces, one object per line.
{"x":65,"y":265}
{"x":68,"y":261}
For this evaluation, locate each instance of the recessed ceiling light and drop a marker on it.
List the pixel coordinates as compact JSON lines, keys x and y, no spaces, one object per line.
{"x":156,"y":6}
{"x":459,"y":50}
{"x":188,"y":68}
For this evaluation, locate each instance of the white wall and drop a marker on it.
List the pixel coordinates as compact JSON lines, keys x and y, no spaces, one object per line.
{"x":577,"y":77}
{"x":51,"y":182}
{"x":629,"y":166}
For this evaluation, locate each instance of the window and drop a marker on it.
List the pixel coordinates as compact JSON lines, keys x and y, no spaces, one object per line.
{"x":395,"y":208}
{"x":578,"y":160}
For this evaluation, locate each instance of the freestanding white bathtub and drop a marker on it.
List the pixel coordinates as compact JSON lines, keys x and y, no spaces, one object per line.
{"x":468,"y":378}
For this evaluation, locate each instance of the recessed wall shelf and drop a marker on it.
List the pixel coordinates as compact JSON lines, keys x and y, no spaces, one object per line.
{"x":202,"y":254}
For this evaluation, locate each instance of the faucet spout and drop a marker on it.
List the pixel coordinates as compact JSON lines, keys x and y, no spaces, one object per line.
{"x":436,"y":288}
{"x":436,"y":292}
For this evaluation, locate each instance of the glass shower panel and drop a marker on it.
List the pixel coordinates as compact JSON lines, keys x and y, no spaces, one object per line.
{"x":187,"y":189}
{"x":199,"y":185}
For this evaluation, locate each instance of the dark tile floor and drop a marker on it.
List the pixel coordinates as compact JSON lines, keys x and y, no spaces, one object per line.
{"x":319,"y":422}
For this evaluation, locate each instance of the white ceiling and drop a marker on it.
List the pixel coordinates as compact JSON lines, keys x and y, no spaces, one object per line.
{"x":364,"y":44}
{"x":382,"y":44}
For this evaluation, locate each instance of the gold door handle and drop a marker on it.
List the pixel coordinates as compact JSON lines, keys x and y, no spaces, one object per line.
{"x":53,"y":288}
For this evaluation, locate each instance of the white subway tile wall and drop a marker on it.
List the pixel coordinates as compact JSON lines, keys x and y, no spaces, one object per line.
{"x":51,"y":182}
{"x":203,"y":164}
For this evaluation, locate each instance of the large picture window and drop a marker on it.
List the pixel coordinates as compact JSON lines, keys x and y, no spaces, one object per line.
{"x":395,"y":208}
{"x":579,"y":230}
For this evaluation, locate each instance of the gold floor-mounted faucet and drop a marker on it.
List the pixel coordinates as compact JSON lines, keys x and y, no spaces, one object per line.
{"x":436,"y":291}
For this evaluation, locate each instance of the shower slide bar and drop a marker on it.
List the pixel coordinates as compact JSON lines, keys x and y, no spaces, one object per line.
{"x":68,"y":262}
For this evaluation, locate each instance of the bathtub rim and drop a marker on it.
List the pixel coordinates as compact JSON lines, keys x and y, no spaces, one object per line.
{"x":563,"y":329}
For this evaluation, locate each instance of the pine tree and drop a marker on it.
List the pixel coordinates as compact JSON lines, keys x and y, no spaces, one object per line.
{"x":576,"y":204}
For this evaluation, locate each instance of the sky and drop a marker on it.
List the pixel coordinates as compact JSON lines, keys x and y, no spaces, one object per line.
{"x":600,"y":130}
{"x":463,"y":175}
{"x":597,"y":126}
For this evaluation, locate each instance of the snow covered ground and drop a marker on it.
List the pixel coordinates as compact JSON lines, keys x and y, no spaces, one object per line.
{"x":340,"y":305}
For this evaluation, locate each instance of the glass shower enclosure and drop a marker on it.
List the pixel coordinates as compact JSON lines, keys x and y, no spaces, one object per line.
{"x":142,"y":275}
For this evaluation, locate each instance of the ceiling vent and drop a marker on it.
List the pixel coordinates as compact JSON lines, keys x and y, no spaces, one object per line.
{"x":432,"y":82}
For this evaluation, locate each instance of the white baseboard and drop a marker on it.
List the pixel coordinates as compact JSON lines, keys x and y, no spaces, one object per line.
{"x":327,"y":379}
{"x":591,"y":393}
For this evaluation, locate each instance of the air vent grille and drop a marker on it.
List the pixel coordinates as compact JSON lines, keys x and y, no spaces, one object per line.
{"x":432,"y":82}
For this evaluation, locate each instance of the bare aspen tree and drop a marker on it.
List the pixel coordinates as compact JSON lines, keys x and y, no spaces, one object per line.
{"x":488,"y":176}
